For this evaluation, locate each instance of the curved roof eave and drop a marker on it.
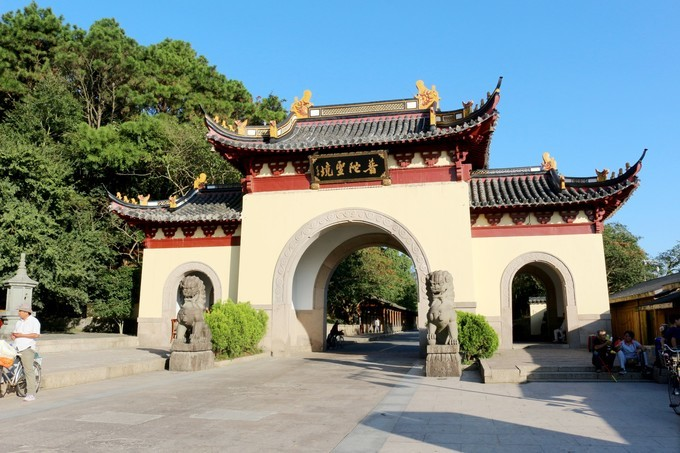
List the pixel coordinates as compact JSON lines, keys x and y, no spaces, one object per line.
{"x":258,"y":138}
{"x":438,"y":134}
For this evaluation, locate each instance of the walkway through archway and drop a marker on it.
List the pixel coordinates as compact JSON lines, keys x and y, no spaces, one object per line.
{"x":559,"y":293}
{"x":305,"y":266}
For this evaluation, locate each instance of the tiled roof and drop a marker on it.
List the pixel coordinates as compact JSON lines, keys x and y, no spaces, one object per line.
{"x":532,"y":187}
{"x":650,"y":286}
{"x":395,"y":125}
{"x":213,"y":205}
{"x":312,"y":134}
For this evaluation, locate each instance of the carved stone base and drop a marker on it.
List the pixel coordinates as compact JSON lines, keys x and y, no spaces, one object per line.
{"x":197,"y":346}
{"x":191,"y":361}
{"x":442,"y":361}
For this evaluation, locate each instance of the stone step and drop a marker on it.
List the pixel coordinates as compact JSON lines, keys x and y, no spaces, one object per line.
{"x":113,"y":363}
{"x":585,"y":376}
{"x":50,"y":343}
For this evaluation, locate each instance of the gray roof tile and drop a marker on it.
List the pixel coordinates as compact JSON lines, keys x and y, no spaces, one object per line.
{"x":212,"y":205}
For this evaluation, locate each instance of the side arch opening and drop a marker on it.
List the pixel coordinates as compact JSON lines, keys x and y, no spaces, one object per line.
{"x":559,"y":297}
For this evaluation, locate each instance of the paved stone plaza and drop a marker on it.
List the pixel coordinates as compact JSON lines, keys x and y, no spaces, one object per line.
{"x":365,"y":398}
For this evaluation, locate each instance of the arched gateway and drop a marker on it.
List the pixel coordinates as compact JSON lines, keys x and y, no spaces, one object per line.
{"x":330,"y":180}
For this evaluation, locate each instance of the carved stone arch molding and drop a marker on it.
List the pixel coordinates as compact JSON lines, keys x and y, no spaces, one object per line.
{"x":174,"y":278}
{"x":561,"y":278}
{"x":283,"y":312}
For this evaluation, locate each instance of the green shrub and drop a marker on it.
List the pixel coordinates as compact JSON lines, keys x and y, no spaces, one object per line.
{"x":476,"y":337}
{"x":236,"y":328}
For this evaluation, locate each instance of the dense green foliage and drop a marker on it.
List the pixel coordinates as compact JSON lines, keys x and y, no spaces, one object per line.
{"x":374,"y":272}
{"x":111,"y":299}
{"x":236,"y":329}
{"x":524,"y":286}
{"x":85,"y":111}
{"x":668,"y":262}
{"x":476,"y":337}
{"x":627,"y":263}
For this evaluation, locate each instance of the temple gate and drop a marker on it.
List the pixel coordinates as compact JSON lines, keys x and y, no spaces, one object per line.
{"x":330,"y":180}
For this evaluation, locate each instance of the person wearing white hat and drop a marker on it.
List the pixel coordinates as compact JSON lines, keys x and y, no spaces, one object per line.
{"x":25,"y":333}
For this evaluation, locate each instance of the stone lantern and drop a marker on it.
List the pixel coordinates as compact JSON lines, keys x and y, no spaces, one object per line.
{"x":19,"y":292}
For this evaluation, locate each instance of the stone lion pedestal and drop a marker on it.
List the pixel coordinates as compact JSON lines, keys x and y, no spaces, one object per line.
{"x":442,"y":360}
{"x":191,"y":357}
{"x":192,"y":347}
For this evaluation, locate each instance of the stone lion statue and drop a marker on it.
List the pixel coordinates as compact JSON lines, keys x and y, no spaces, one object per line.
{"x":191,"y":327}
{"x":442,"y":322}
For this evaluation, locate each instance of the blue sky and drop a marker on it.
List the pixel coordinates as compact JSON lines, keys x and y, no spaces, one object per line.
{"x":593,"y":83}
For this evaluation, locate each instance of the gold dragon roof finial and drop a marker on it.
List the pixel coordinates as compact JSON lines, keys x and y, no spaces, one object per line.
{"x":426,"y":98}
{"x":199,"y":183}
{"x":301,"y":107}
{"x":241,"y":126}
{"x":549,"y":163}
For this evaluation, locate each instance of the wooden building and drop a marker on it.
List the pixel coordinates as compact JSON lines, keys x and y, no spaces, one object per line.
{"x":391,"y":317}
{"x":642,"y":308}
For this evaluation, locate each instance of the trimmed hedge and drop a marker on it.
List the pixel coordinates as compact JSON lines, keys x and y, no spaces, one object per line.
{"x":476,"y":337}
{"x":237,"y":328}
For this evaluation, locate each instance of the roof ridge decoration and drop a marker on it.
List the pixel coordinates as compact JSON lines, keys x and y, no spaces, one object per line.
{"x":303,"y":109}
{"x":426,"y":98}
{"x":549,"y":163}
{"x":601,"y":176}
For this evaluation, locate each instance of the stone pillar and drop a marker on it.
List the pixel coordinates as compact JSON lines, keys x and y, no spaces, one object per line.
{"x":19,"y":292}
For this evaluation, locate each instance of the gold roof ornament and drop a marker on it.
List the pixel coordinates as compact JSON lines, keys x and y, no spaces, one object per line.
{"x":241,"y":126}
{"x":301,"y":107}
{"x":467,"y":107}
{"x":549,"y":163}
{"x":433,"y":117}
{"x":173,"y":201}
{"x":144,"y":200}
{"x":199,"y":183}
{"x":602,"y":175}
{"x":426,"y":98}
{"x":273,"y":130}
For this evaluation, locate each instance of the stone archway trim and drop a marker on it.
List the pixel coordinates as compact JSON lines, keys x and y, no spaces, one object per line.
{"x":564,"y":285}
{"x":174,"y":277}
{"x":283,"y":311}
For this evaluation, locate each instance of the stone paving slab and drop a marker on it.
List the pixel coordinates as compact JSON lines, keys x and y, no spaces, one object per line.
{"x":359,"y":400}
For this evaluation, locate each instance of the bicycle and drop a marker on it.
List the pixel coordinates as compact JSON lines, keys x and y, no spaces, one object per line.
{"x":14,"y":377}
{"x":336,"y":341}
{"x":672,"y":362}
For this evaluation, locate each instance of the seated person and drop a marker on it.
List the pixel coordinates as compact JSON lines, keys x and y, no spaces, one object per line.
{"x":672,"y":333}
{"x":658,"y":346}
{"x":561,"y":333}
{"x":631,"y":350}
{"x":602,"y":355}
{"x":335,"y":331}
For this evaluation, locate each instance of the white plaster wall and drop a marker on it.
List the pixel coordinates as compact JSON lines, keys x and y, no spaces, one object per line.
{"x":436,"y":214}
{"x":582,"y":254}
{"x":159,"y":264}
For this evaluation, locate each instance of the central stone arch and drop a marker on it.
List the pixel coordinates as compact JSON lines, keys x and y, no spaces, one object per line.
{"x":309,"y":257}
